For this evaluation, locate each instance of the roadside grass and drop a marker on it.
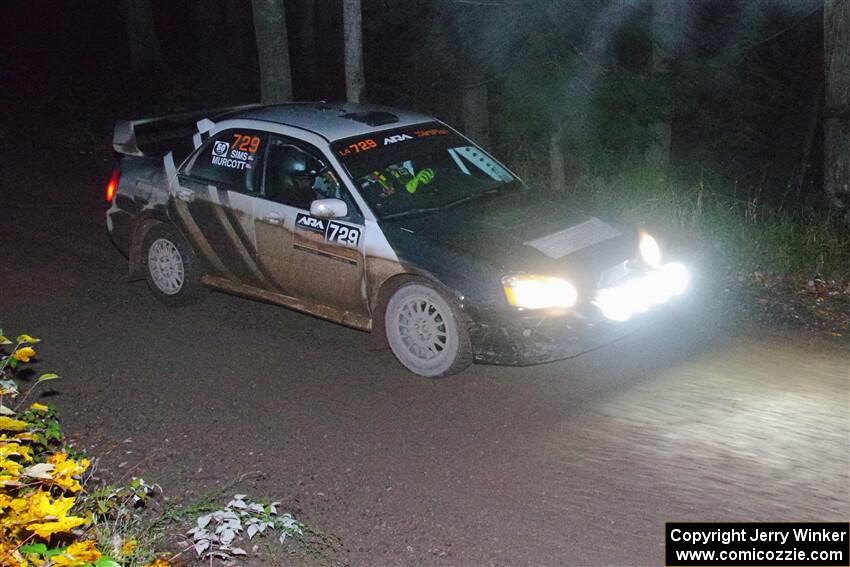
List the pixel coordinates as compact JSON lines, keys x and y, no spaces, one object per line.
{"x":54,"y":511}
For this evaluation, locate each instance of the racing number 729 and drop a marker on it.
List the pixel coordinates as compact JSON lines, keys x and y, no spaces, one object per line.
{"x":343,"y":234}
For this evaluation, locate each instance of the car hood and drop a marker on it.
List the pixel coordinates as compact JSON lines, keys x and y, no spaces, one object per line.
{"x":518,"y":232}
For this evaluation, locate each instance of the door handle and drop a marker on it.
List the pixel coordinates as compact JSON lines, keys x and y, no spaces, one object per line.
{"x":184,"y":194}
{"x":273,"y":218}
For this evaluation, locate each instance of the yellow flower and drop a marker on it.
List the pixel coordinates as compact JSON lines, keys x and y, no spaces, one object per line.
{"x":12,"y":449}
{"x":62,"y":525}
{"x":129,"y":547}
{"x":44,"y":517}
{"x":23,"y":354}
{"x":5,"y":501}
{"x":159,"y":563}
{"x":11,"y":424}
{"x":65,"y":469}
{"x":78,"y":553}
{"x":11,"y":467}
{"x":18,"y":505}
{"x":39,"y":505}
{"x":26,"y":436}
{"x":39,"y":407}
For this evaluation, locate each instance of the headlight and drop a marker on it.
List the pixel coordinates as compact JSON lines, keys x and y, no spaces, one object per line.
{"x":649,"y":250}
{"x":539,"y":292}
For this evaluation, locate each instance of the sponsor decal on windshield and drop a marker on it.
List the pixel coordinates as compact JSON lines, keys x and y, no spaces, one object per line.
{"x":431,"y":132}
{"x":359,"y":146}
{"x":367,"y":144}
{"x":396,"y":138}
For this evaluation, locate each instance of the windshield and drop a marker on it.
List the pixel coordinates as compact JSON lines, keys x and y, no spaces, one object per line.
{"x":418,"y":169}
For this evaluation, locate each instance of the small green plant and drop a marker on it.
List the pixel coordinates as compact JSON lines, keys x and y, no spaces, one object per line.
{"x":215,"y":534}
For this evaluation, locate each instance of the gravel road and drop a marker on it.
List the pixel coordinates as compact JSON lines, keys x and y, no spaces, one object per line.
{"x":573,"y":463}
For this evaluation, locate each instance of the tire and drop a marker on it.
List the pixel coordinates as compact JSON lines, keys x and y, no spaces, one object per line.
{"x":171,"y":267}
{"x":427,"y":332}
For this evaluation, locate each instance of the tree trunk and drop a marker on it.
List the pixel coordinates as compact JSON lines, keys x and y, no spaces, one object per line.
{"x":591,"y":63}
{"x":664,"y":26}
{"x":353,"y":33}
{"x":142,"y":39}
{"x":836,"y":36}
{"x":273,"y":50}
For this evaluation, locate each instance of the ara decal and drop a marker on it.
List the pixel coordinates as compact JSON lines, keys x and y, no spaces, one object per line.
{"x":332,"y":231}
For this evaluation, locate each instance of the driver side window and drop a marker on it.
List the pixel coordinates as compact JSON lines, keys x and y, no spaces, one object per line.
{"x":296,"y":177}
{"x":290,"y":175}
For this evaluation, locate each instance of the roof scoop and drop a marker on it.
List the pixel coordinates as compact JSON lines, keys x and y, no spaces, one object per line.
{"x":372,"y":118}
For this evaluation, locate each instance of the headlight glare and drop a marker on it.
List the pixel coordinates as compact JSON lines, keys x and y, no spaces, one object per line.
{"x":649,"y":250}
{"x":539,"y":292}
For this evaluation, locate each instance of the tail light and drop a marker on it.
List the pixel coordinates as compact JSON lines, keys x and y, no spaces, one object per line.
{"x":112,"y":185}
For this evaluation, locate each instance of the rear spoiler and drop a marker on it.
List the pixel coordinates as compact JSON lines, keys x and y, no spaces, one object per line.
{"x":154,"y":131}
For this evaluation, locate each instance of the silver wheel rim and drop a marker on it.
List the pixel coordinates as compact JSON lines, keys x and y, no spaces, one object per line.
{"x":421,"y":326}
{"x":165,"y":264}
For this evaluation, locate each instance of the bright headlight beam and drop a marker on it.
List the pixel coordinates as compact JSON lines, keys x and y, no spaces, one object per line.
{"x":539,"y":292}
{"x":649,"y":250}
{"x":637,"y":295}
{"x":677,"y":277}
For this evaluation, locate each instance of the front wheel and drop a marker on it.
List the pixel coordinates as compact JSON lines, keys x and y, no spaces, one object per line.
{"x":171,"y":267}
{"x":426,"y":332}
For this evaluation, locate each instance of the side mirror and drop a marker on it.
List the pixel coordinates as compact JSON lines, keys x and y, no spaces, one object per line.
{"x":328,"y":208}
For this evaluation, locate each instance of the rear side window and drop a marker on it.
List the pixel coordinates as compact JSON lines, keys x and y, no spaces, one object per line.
{"x":229,"y":160}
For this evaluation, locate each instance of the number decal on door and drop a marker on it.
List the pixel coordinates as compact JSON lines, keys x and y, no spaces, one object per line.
{"x":333,"y":231}
{"x":342,"y":234}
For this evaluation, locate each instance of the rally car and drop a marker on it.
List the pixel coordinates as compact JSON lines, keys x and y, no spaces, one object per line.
{"x":380,"y":219}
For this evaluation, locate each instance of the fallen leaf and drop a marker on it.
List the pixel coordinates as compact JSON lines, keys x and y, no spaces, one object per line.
{"x":10,"y":424}
{"x":41,"y":470}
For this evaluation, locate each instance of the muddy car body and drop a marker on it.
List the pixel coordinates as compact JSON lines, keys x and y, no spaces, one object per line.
{"x":380,"y":219}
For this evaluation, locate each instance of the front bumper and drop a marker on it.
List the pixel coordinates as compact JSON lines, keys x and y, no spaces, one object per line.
{"x":524,"y":341}
{"x":522,"y":338}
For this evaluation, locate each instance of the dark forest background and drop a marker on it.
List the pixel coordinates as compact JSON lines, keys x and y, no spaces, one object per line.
{"x":720,"y":96}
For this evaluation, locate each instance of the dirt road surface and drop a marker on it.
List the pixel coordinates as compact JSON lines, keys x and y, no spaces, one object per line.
{"x":574,"y":463}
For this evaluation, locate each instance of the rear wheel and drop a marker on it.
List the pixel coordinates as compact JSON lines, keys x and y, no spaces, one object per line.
{"x":426,"y":331}
{"x":171,"y":267}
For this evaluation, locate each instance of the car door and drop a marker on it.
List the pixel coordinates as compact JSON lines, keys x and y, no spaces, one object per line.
{"x":215,"y":199}
{"x":316,"y":260}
